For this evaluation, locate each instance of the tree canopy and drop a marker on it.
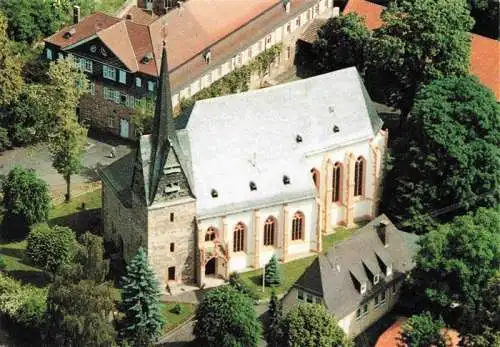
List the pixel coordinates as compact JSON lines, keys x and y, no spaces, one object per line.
{"x":419,"y":41}
{"x":341,"y":43}
{"x":227,"y":318}
{"x":450,"y":159}
{"x":11,"y":82}
{"x":456,"y":268}
{"x":310,"y":325}
{"x":26,"y":201}
{"x":423,"y":331}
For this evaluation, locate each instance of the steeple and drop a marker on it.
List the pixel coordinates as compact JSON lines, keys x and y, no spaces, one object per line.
{"x":164,"y":133}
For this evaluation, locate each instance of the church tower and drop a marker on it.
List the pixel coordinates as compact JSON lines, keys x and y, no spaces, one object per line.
{"x":161,"y":185}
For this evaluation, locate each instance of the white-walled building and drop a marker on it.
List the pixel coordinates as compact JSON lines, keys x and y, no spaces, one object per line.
{"x":251,"y":175}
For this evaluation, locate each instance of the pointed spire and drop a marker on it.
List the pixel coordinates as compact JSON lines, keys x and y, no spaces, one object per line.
{"x":163,"y":126}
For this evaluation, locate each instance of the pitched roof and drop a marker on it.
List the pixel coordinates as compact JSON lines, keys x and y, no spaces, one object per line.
{"x":311,"y":33}
{"x":121,"y":48}
{"x":485,"y":52}
{"x":345,"y":266}
{"x":252,"y":137}
{"x":226,"y":26}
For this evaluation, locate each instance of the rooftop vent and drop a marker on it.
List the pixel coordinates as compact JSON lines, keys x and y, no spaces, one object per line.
{"x":336,"y":129}
{"x":298,"y":138}
{"x":214,"y":193}
{"x":331,"y":109}
{"x":69,"y":33}
{"x":286,"y":179}
{"x":147,"y":58}
{"x":253,"y":186}
{"x":362,"y":290}
{"x":129,"y":16}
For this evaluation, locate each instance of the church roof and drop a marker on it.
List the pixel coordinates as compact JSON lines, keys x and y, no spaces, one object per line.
{"x":252,"y":137}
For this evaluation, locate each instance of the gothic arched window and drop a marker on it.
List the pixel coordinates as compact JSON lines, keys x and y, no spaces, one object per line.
{"x":239,"y":237}
{"x":211,"y":234}
{"x":315,"y":177}
{"x":298,"y":226}
{"x":359,"y":171}
{"x":270,"y":231}
{"x":336,"y":182}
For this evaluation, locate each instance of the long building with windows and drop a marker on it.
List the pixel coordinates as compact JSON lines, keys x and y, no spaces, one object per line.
{"x":206,"y":40}
{"x":271,"y":171}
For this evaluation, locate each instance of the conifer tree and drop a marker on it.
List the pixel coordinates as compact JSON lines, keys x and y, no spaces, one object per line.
{"x":274,"y":332}
{"x":143,"y":321}
{"x":273,"y":276}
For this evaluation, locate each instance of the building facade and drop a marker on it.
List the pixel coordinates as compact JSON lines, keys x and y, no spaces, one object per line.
{"x":121,"y":55}
{"x":358,"y":280}
{"x":225,"y":195}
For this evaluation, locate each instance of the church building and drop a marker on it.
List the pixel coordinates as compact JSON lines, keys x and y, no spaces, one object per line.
{"x":248,"y":175}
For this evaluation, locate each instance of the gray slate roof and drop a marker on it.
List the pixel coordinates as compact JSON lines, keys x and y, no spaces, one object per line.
{"x":339,"y":288}
{"x":251,"y":136}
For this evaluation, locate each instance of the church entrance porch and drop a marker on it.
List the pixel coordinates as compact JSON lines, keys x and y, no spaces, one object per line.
{"x":210,"y":267}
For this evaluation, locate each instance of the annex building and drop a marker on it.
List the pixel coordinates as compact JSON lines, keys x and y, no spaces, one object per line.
{"x":207,"y":40}
{"x":250,"y":175}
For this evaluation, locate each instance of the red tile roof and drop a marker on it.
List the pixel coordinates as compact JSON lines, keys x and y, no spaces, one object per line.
{"x":485,"y":52}
{"x":369,"y":11}
{"x":391,"y":337}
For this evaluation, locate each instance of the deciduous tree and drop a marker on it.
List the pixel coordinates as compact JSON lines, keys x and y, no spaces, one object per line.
{"x":50,"y":247}
{"x":227,"y":318}
{"x":341,"y":43}
{"x":26,"y":201}
{"x":67,"y":143}
{"x":90,"y":257}
{"x":11,"y":82}
{"x":422,"y":331}
{"x":79,"y":314}
{"x":450,"y":159}
{"x":419,"y":41}
{"x":143,"y":320}
{"x":455,"y":271}
{"x":310,"y":325}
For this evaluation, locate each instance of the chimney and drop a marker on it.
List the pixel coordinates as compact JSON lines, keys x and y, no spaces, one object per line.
{"x":76,"y":14}
{"x":382,"y":232}
{"x":287,"y":4}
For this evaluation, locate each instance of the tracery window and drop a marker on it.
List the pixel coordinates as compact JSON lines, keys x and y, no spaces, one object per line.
{"x":211,"y":234}
{"x":269,"y":231}
{"x":239,"y":237}
{"x":298,"y":226}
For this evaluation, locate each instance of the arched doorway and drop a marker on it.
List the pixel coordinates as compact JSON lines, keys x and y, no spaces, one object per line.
{"x":210,"y":267}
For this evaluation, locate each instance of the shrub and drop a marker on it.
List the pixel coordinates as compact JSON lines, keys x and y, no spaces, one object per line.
{"x":50,"y":247}
{"x":237,"y":283}
{"x":26,"y":200}
{"x":177,"y":309}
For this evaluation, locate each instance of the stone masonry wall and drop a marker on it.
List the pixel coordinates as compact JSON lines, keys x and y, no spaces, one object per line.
{"x":124,"y":226}
{"x":178,"y":229}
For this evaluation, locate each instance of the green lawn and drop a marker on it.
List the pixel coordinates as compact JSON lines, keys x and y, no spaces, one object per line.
{"x":340,"y":234}
{"x":291,"y":273}
{"x":92,"y":201}
{"x":173,"y":319}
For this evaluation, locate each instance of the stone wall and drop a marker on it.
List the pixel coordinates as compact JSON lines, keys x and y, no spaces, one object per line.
{"x":173,"y":225}
{"x":125,"y":227}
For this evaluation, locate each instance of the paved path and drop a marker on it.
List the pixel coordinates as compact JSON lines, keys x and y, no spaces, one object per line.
{"x":37,"y":157}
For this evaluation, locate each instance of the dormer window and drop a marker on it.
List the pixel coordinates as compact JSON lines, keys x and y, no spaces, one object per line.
{"x":286,"y":179}
{"x":362,"y":290}
{"x":376,"y":279}
{"x":172,"y":188}
{"x":336,"y":129}
{"x":214,"y":193}
{"x":69,"y":33}
{"x":147,"y":58}
{"x":253,"y":186}
{"x":298,"y":138}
